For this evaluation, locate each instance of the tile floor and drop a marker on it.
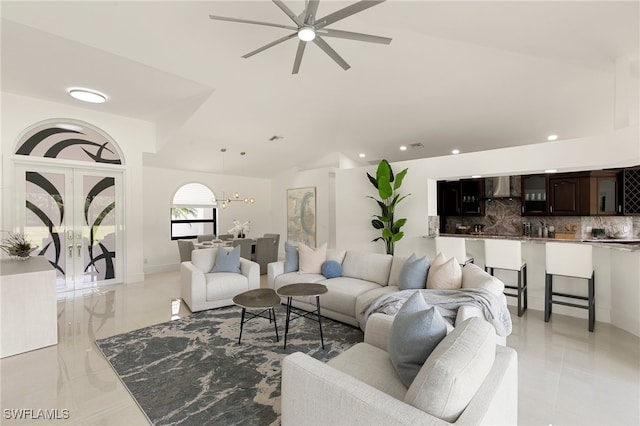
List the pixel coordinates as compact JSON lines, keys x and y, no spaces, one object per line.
{"x":567,"y":376}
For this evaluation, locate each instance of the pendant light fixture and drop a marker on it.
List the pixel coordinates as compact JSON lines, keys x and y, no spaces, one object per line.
{"x":236,"y":196}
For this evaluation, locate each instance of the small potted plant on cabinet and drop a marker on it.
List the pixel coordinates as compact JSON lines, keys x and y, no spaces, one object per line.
{"x":17,"y":246}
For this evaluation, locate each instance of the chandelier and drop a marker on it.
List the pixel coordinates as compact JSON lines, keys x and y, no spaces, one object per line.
{"x":226,"y":201}
{"x":236,"y":197}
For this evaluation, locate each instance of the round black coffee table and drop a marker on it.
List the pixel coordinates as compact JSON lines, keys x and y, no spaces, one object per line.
{"x":302,"y":289}
{"x":262,"y":298}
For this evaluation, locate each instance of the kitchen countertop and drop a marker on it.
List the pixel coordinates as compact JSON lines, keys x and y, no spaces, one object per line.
{"x":620,"y":244}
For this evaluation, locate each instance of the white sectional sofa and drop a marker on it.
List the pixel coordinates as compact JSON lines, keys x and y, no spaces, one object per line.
{"x":365,"y":277}
{"x":203,"y":289}
{"x":467,"y":380}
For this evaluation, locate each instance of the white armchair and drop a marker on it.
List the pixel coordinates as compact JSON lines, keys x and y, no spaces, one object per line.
{"x":466,"y":380}
{"x":202,"y":289}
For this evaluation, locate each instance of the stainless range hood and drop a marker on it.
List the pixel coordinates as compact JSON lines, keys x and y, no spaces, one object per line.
{"x":502,"y":187}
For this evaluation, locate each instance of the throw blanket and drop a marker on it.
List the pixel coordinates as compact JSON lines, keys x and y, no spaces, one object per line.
{"x":447,"y":302}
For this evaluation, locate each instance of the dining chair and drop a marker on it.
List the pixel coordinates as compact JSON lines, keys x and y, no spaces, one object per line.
{"x":226,"y":237}
{"x":185,"y":247}
{"x":206,"y":237}
{"x":277,"y":245}
{"x":245,"y":247}
{"x":265,"y":249}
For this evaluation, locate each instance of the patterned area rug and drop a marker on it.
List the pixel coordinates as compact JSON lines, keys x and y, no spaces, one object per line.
{"x":192,"y":371}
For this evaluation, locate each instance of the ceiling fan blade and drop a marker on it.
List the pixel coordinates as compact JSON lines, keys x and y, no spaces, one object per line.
{"x":247,"y":21}
{"x":288,"y":12}
{"x":326,"y":32}
{"x":273,"y":43}
{"x":299,"y":53}
{"x":346,"y":12}
{"x":329,"y":51}
{"x":310,"y":12}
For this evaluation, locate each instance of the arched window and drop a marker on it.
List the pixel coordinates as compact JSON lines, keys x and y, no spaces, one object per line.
{"x":193,"y":212}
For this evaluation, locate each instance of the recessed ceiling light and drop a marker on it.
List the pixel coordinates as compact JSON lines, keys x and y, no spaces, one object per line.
{"x":403,"y":148}
{"x":87,"y":95}
{"x":455,"y":151}
{"x":476,"y":177}
{"x":550,"y":171}
{"x":552,"y":137}
{"x":361,"y":155}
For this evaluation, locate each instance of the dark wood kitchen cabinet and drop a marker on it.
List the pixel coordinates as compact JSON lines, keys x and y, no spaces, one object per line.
{"x":461,"y":198}
{"x":592,"y":193}
{"x":534,"y":195}
{"x":604,"y":197}
{"x":449,"y":198}
{"x":565,"y":196}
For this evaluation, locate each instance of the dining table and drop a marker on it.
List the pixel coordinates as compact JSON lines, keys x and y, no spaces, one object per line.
{"x":221,"y":243}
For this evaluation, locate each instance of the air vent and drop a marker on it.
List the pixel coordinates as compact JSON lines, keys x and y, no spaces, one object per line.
{"x":275,"y":138}
{"x":416,"y":145}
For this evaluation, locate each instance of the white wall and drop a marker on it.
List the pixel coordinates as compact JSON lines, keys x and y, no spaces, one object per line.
{"x":323,"y":180}
{"x":159,"y":187}
{"x":132,"y":136}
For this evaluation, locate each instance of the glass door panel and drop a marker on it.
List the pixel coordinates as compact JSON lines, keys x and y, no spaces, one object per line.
{"x":98,"y":228}
{"x":73,"y":215}
{"x":45,"y":221}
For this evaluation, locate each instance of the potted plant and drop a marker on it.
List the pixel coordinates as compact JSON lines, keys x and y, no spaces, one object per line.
{"x":17,"y":246}
{"x":388,"y":185}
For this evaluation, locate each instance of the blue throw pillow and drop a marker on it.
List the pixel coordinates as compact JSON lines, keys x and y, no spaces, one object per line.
{"x":227,"y":261}
{"x":290,"y":257}
{"x":331,"y":269}
{"x":414,"y":273}
{"x":416,"y":331}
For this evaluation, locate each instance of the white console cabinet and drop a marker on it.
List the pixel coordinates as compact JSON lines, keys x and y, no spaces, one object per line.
{"x":28,"y":313}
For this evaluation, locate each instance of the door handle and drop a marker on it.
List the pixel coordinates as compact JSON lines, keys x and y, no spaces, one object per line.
{"x":70,"y":247}
{"x":79,"y":247}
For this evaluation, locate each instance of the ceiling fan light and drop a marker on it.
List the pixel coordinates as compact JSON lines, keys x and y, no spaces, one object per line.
{"x":306,"y":34}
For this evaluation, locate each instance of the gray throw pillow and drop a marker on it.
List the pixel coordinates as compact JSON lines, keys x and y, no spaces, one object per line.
{"x":416,"y":331}
{"x":414,"y":273}
{"x":290,"y":257}
{"x":227,"y":261}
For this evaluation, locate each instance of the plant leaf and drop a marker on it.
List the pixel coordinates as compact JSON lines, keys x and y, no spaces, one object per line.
{"x":386,"y":233}
{"x":377,"y":224}
{"x":383,"y":175}
{"x":399,"y":223}
{"x":373,"y":180}
{"x":399,"y":177}
{"x":401,"y":198}
{"x":397,"y":237}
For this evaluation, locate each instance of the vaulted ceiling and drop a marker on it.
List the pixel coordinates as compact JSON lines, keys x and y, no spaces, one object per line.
{"x":471,"y":75}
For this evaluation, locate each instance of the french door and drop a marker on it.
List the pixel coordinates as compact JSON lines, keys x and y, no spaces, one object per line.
{"x":75,"y":217}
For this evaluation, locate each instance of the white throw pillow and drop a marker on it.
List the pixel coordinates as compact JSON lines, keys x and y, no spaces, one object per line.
{"x":474,"y":276}
{"x":455,"y":370}
{"x":310,"y":260}
{"x":444,"y":274}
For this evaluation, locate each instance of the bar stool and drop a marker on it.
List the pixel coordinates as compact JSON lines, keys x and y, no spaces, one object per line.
{"x":507,"y":254}
{"x":569,"y":260}
{"x":453,"y":247}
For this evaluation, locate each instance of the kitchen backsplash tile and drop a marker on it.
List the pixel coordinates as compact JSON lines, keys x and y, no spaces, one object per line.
{"x":502,"y":217}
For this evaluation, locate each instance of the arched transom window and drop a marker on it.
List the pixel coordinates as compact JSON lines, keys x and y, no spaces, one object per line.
{"x":193,"y":212}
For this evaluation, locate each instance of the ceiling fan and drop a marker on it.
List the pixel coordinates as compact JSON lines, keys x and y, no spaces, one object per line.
{"x":307,"y":28}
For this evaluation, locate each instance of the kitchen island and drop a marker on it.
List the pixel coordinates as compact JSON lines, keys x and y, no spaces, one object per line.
{"x":617,"y":274}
